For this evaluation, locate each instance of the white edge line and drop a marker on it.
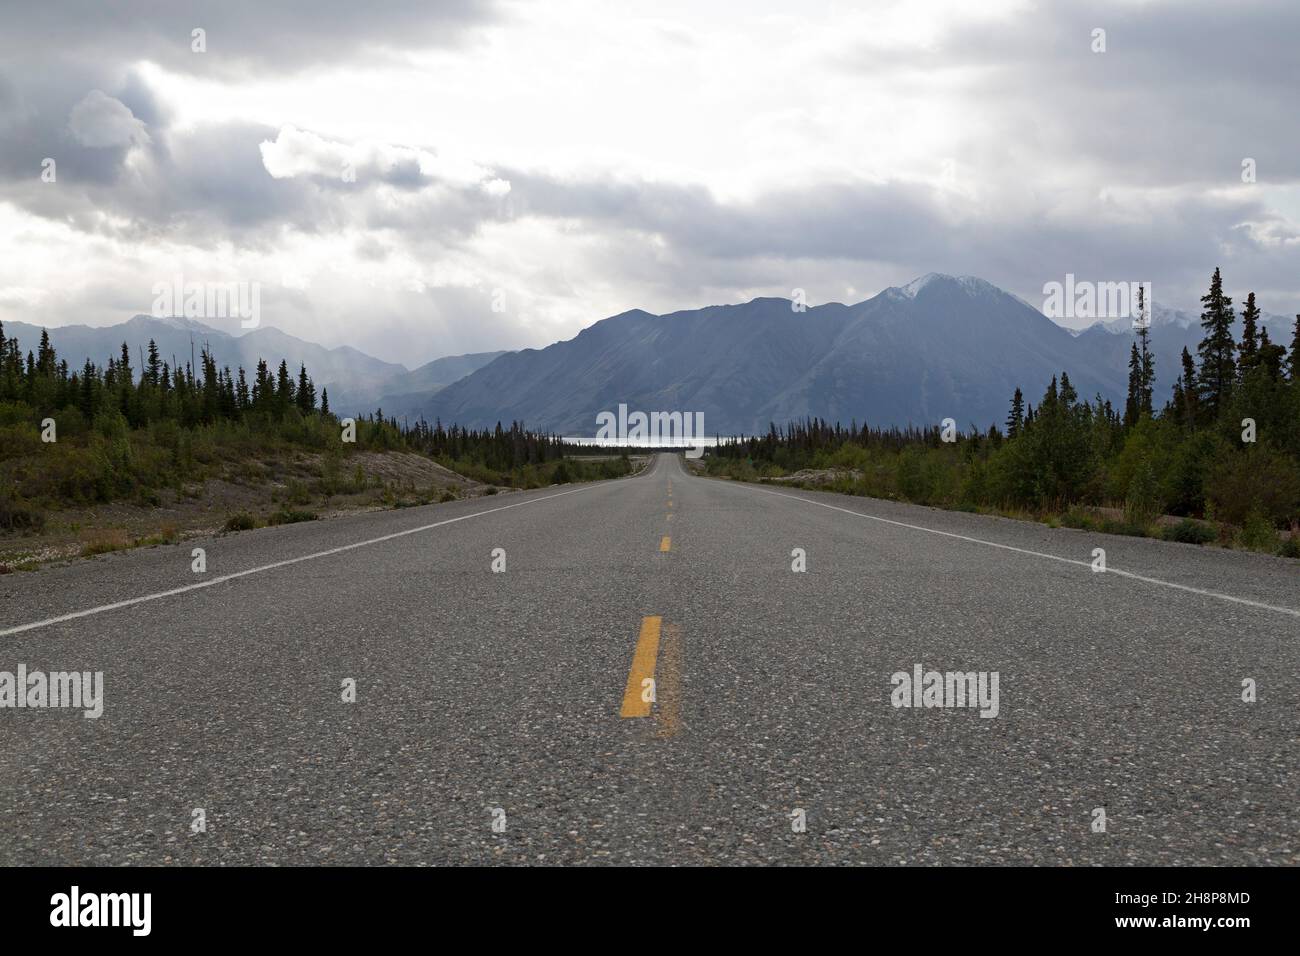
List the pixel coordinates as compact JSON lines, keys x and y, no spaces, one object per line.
{"x":1038,"y":554}
{"x":278,"y":564}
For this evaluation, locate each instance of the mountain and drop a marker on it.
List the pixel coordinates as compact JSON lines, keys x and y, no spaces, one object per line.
{"x":357,"y":382}
{"x":939,"y":347}
{"x":407,"y":393}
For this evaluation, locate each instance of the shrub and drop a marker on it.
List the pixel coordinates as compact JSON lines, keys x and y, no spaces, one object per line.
{"x":1258,"y":480}
{"x":1079,"y":519}
{"x":1258,"y":533}
{"x":241,"y":522}
{"x":1141,"y":505}
{"x":19,"y":516}
{"x":296,"y":493}
{"x":1188,"y":531}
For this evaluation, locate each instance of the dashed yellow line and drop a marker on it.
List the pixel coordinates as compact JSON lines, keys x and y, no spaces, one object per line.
{"x":635,"y":703}
{"x":666,"y":543}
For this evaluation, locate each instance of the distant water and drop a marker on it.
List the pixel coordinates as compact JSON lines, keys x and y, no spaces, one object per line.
{"x":644,"y":443}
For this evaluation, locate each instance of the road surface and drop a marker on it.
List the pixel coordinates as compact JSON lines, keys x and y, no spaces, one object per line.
{"x":499,"y":717}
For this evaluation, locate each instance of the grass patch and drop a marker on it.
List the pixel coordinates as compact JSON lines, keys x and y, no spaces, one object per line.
{"x":242,"y":521}
{"x":106,"y":542}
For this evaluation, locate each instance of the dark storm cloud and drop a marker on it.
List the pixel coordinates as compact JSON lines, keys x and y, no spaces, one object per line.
{"x":904,"y":225}
{"x":1117,"y":165}
{"x":1183,"y":92}
{"x":241,"y":34}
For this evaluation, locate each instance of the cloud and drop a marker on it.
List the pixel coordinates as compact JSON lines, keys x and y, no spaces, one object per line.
{"x":587,"y":163}
{"x":241,"y":35}
{"x":99,"y":121}
{"x":295,"y":152}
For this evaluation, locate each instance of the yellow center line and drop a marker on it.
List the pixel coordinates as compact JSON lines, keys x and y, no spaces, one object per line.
{"x":639,"y":696}
{"x":666,"y":543}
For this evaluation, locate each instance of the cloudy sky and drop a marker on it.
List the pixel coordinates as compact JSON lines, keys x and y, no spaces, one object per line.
{"x":422,"y":178}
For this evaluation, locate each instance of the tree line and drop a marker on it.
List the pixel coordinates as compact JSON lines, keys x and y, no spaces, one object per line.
{"x":159,"y":392}
{"x":122,"y":430}
{"x":1224,"y":445}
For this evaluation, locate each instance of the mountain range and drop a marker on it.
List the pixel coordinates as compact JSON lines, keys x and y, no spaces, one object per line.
{"x":939,"y":347}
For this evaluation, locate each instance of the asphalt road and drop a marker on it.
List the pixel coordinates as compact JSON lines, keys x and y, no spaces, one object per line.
{"x":519,"y":691}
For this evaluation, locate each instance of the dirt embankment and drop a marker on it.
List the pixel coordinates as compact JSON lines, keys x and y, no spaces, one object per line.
{"x":293,"y":488}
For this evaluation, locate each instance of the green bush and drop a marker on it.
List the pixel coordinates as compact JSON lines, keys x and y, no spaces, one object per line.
{"x":20,"y":516}
{"x":1078,"y":519}
{"x":1260,"y":480}
{"x":296,"y":493}
{"x":1189,"y":531}
{"x":1258,"y":533}
{"x":1141,"y":506}
{"x":241,"y":522}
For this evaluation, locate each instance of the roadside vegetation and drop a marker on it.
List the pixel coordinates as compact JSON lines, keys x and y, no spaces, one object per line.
{"x":1218,"y":462}
{"x":103,"y":458}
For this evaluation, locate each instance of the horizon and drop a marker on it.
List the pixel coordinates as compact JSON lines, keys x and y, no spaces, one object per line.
{"x":236,"y":332}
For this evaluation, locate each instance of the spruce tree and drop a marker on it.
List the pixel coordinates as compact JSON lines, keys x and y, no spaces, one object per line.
{"x":1147,"y":358}
{"x":1016,"y":420}
{"x":1133,"y":402}
{"x":1218,"y":368}
{"x":88,"y":375}
{"x":283,"y":388}
{"x":155,"y":364}
{"x":306,"y":392}
{"x":45,"y":356}
{"x":1294,"y":361}
{"x":1271,"y":357}
{"x":1248,"y":349}
{"x":1191,"y":408}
